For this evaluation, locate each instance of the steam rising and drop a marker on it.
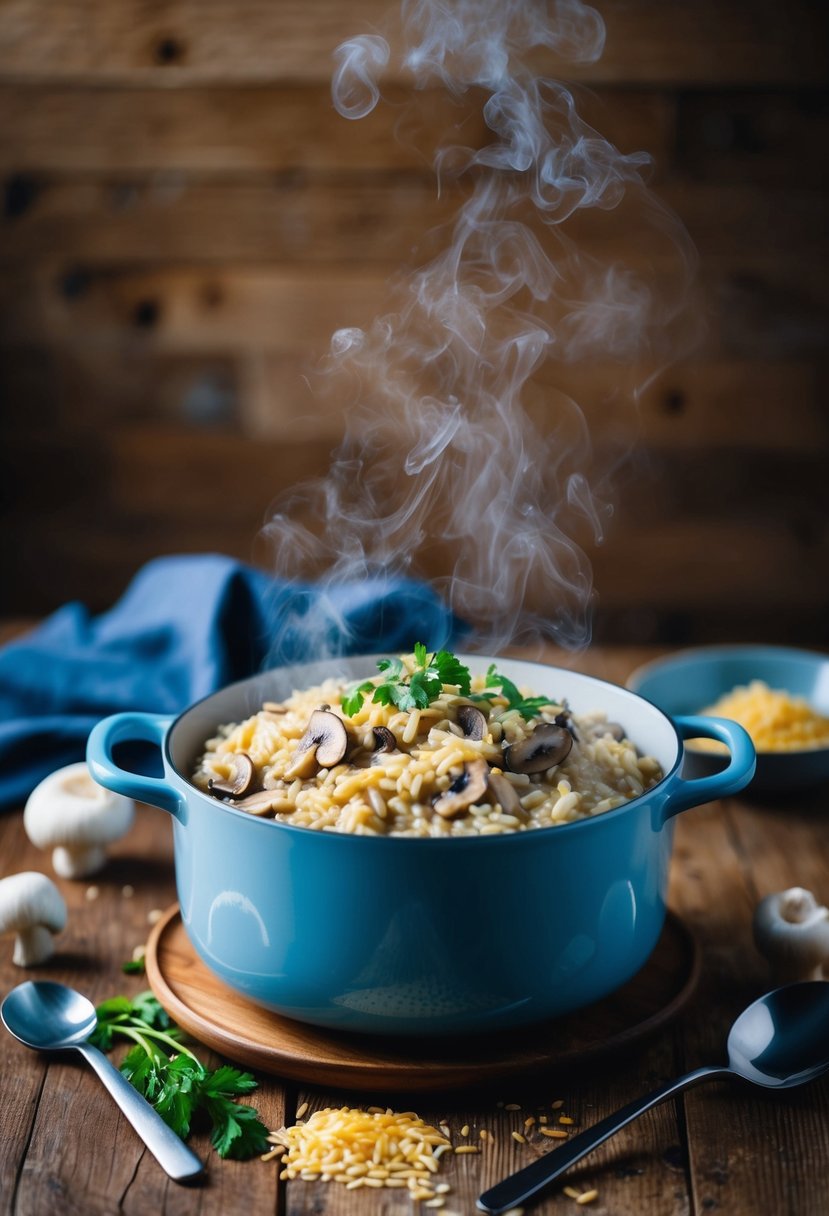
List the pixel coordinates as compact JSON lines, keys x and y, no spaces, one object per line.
{"x":443,"y":465}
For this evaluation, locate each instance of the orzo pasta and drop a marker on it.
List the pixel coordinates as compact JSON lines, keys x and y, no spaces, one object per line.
{"x":467,"y":763}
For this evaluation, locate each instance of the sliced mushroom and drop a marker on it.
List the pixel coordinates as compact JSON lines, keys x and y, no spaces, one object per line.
{"x":472,"y":721}
{"x":242,"y":777}
{"x":260,"y":804}
{"x":565,"y":719}
{"x":547,"y":745}
{"x":324,"y":744}
{"x":384,"y":740}
{"x":506,"y":795}
{"x":467,"y":789}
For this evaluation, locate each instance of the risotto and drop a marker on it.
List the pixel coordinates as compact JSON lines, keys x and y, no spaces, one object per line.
{"x":408,"y":754}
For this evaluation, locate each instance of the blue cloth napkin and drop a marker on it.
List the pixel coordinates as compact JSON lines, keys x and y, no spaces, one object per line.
{"x":184,"y":627}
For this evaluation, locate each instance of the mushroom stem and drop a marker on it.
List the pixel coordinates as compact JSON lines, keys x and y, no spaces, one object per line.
{"x":78,"y":861}
{"x":32,"y":946}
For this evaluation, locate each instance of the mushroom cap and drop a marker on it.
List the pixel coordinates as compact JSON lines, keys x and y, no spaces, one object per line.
{"x":69,"y":809}
{"x":241,"y":779}
{"x":547,"y":745}
{"x":384,"y":740}
{"x":505,"y":794}
{"x":472,"y":721}
{"x":791,"y":927}
{"x":467,"y":789}
{"x":30,"y":898}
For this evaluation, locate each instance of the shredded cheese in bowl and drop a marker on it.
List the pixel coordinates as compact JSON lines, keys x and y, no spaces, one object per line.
{"x":776,"y":720}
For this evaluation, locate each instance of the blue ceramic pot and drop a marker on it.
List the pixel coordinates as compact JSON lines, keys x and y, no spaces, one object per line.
{"x":399,"y":936}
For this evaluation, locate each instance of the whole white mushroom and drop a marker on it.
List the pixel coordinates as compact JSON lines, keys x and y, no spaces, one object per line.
{"x":32,"y":907}
{"x":791,"y":930}
{"x":77,"y":818}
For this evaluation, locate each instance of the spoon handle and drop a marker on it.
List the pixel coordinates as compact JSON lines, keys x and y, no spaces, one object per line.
{"x":171,"y":1153}
{"x":522,"y":1185}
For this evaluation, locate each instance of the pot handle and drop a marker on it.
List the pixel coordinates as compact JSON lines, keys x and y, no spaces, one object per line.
{"x":735,"y":776}
{"x":129,"y":728}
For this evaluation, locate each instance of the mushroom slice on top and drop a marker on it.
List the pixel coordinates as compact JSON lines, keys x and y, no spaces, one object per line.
{"x":547,"y":745}
{"x":242,"y":777}
{"x":464,"y":791}
{"x":324,"y":743}
{"x":384,"y":740}
{"x":506,"y":796}
{"x":472,"y":721}
{"x":565,"y":719}
{"x":259,"y":804}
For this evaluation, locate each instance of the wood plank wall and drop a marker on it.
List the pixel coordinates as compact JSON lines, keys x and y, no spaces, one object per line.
{"x":186,"y":220}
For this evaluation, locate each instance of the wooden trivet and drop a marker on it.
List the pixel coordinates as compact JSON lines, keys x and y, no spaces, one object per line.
{"x":248,"y":1034}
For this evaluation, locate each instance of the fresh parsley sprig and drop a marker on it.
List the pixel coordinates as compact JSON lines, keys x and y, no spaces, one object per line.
{"x":410,"y":691}
{"x":173,"y":1079}
{"x":528,"y":707}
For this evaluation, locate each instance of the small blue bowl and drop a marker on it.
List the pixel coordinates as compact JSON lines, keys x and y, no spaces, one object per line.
{"x":692,"y":680}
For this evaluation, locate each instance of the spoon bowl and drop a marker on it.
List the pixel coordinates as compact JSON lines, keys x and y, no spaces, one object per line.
{"x":782,"y":1039}
{"x":48,"y":1016}
{"x":51,"y":1017}
{"x":779,"y":1041}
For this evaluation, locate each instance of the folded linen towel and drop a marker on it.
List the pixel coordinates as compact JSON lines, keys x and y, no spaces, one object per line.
{"x":184,"y":627}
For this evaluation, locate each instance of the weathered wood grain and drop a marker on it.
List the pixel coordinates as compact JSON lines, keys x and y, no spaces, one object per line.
{"x":373,"y":218}
{"x":273,"y":128}
{"x":749,"y":1150}
{"x":680,"y":527}
{"x":180,"y":41}
{"x":771,"y":138}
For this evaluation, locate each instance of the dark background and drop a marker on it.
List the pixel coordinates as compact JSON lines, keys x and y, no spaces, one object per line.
{"x":186,"y":220}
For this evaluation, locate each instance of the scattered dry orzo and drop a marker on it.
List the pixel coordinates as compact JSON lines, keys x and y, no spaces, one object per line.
{"x":372,"y":1148}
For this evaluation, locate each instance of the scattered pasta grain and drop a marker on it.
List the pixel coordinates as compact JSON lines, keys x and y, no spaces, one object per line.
{"x":465,"y":1129}
{"x":301,"y":1110}
{"x":467,"y":1148}
{"x":565,"y":1119}
{"x":557,"y":1105}
{"x":571,"y":1192}
{"x":587,"y":1197}
{"x":518,"y":1137}
{"x":92,"y":893}
{"x":512,"y":1106}
{"x":553,"y":1132}
{"x":371,"y":1148}
{"x":154,"y":916}
{"x":128,"y":891}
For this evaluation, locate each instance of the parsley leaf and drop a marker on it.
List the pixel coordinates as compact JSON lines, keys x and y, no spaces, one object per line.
{"x":528,"y":707}
{"x":415,"y":691}
{"x":352,"y":702}
{"x":175,"y":1081}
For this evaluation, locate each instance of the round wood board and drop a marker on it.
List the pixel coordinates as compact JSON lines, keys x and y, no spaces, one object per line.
{"x":248,"y":1034}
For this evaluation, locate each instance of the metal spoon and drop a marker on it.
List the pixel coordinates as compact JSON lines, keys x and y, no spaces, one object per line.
{"x":52,"y":1017}
{"x":780,"y":1041}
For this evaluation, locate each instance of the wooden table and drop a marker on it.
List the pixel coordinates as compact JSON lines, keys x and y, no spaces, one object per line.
{"x":66,"y":1149}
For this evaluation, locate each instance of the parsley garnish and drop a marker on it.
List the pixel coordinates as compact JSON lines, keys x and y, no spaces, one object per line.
{"x":415,"y":691}
{"x":528,"y":707}
{"x":175,"y":1081}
